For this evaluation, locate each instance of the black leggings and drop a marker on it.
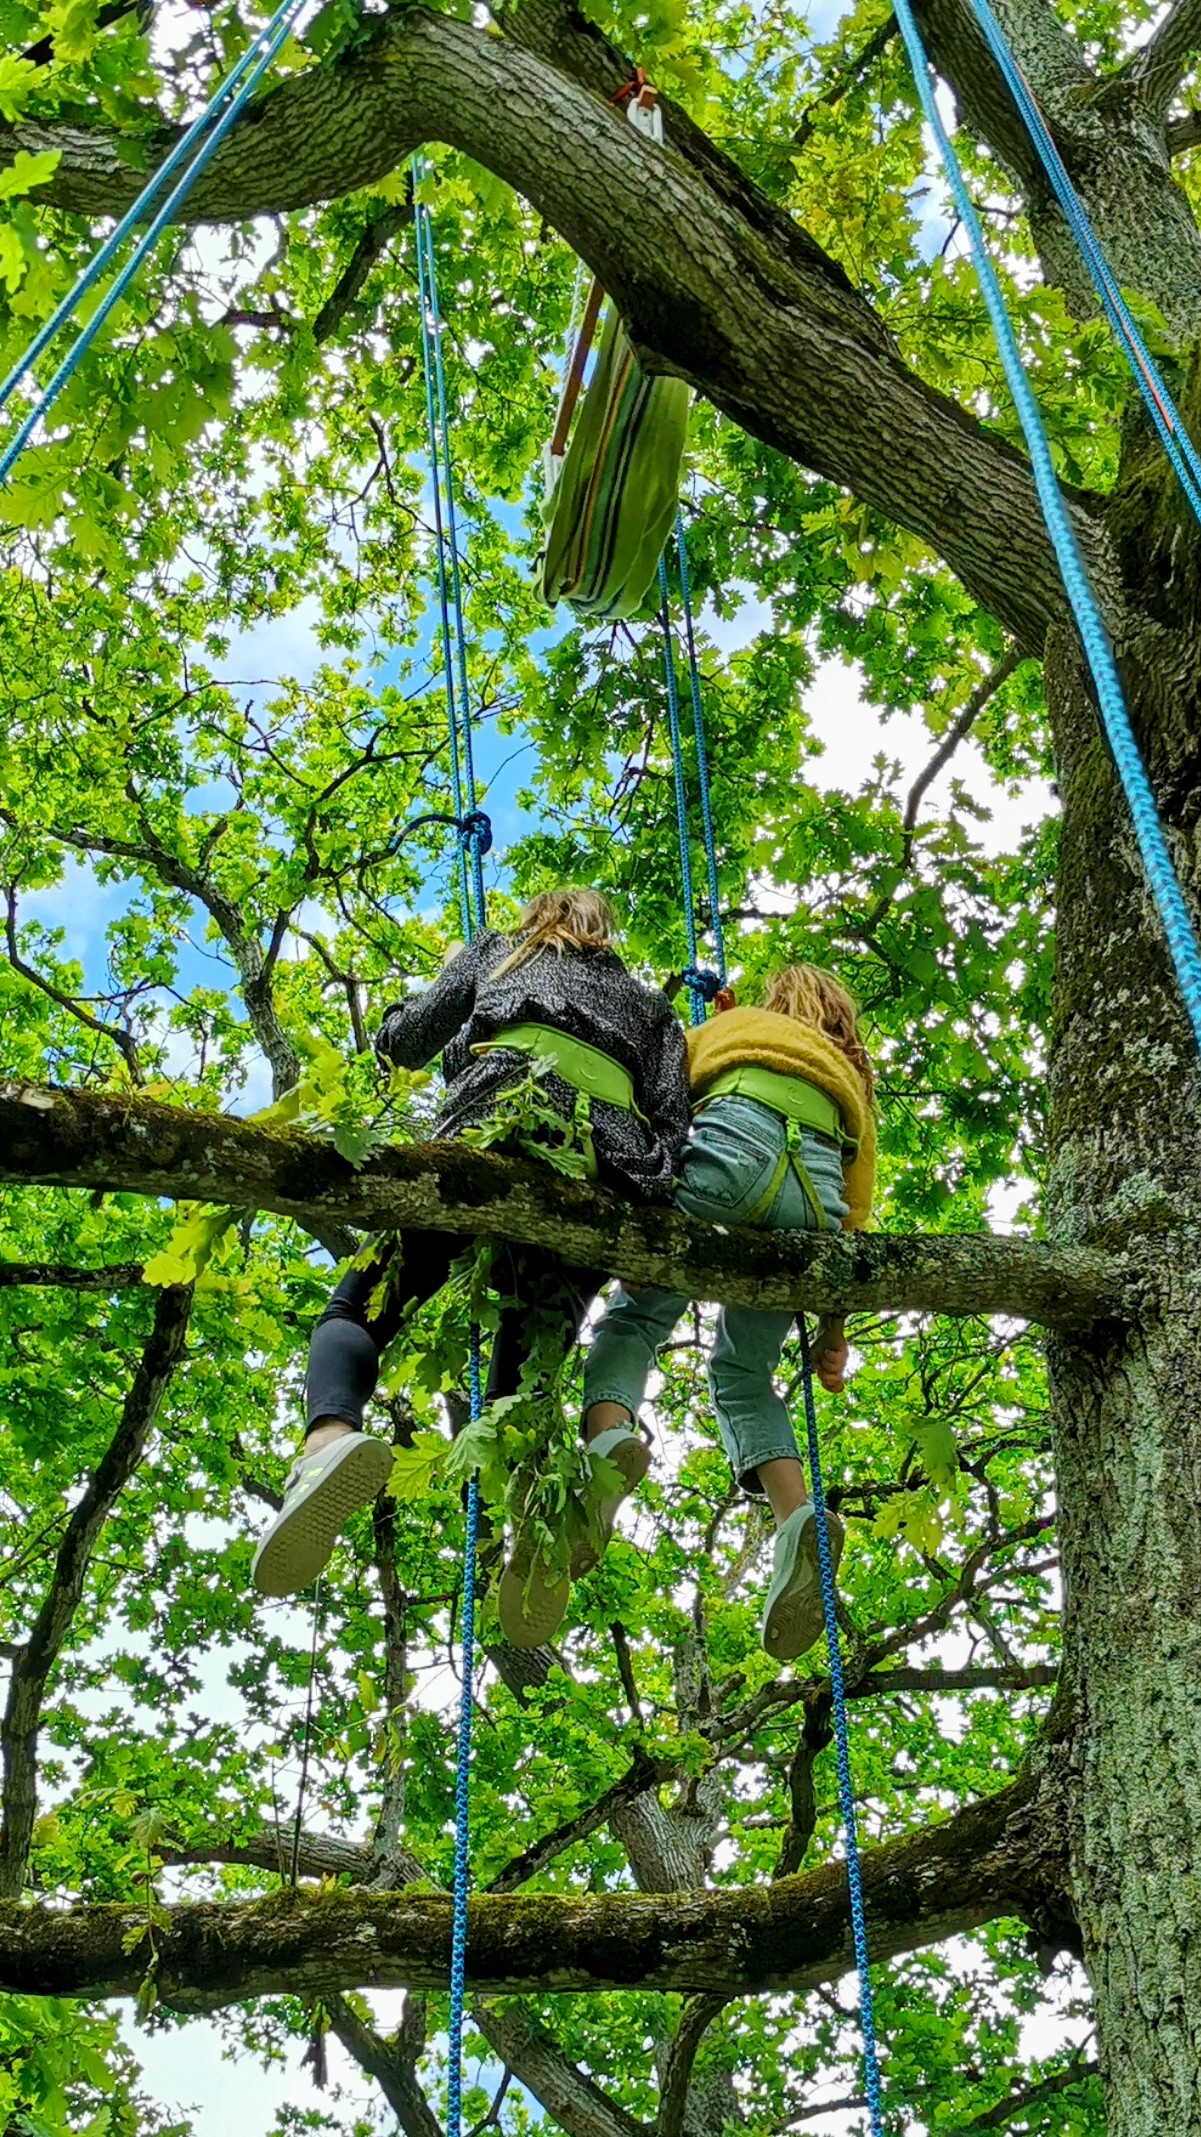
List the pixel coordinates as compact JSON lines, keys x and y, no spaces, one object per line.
{"x":348,"y":1343}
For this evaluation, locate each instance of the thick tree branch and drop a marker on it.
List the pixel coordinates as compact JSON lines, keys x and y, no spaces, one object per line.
{"x":1160,"y":66}
{"x":1184,"y":134}
{"x":80,"y":1139}
{"x":18,"y":1733}
{"x":1015,"y":2103}
{"x":714,"y":282}
{"x":576,"y":2102}
{"x":997,"y":1857}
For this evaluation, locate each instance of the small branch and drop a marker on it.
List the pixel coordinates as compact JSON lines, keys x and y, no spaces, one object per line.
{"x":643,"y":1773}
{"x":19,"y":1731}
{"x":625,"y":1670}
{"x":375,"y":240}
{"x":389,"y":2064}
{"x":849,"y":77}
{"x":958,"y":732}
{"x":815,"y":1736}
{"x":118,"y":1276}
{"x":122,"y":1040}
{"x":698,"y":2014}
{"x":1015,"y":2103}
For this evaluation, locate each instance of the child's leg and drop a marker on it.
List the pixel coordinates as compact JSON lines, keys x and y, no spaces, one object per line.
{"x":618,"y":1362}
{"x":544,"y":1305}
{"x":752,"y":1418}
{"x":351,"y":1336}
{"x":758,"y":1435}
{"x":340,"y":1467}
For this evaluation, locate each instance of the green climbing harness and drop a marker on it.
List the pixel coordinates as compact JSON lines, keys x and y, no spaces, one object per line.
{"x":799,"y":1105}
{"x":591,"y":1073}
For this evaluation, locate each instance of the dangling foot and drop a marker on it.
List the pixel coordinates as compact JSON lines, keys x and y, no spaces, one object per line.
{"x":531,"y":1597}
{"x":323,"y":1491}
{"x":794,"y":1618}
{"x":630,"y":1456}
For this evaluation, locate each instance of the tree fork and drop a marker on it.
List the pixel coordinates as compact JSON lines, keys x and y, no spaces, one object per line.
{"x":63,"y":1138}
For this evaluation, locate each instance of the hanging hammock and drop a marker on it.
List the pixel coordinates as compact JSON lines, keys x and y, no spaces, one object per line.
{"x":611,"y":496}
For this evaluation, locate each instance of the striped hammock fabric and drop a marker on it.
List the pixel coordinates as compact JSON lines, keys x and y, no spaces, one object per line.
{"x":611,"y":511}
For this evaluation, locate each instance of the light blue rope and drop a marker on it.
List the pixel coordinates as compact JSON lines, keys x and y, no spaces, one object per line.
{"x":1148,"y":830}
{"x":421,"y":171}
{"x":846,"y":1793}
{"x":1163,"y":411}
{"x":268,"y":46}
{"x":129,"y":221}
{"x":702,"y":984}
{"x":473,"y":833}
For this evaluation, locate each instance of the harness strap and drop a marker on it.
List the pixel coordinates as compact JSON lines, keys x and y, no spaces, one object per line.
{"x":593,"y":1074}
{"x":790,"y":1157}
{"x":790,"y":1096}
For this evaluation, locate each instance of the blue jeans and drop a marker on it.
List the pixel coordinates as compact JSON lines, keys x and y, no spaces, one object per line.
{"x":733,"y":1155}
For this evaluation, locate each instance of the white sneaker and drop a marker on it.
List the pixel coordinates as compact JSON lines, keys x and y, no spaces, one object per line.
{"x":794,"y":1618}
{"x":630,"y":1456}
{"x":322,"y":1492}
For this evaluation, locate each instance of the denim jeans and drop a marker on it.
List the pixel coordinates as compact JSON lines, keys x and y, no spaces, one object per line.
{"x":733,"y":1155}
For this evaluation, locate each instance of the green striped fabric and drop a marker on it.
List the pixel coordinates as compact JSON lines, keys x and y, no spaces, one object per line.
{"x":613,"y":507}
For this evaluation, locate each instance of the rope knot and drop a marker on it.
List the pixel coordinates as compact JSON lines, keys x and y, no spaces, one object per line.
{"x":475,"y":829}
{"x":704,"y":983}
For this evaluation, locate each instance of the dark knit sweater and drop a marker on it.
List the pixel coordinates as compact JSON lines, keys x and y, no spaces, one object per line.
{"x":587,"y":993}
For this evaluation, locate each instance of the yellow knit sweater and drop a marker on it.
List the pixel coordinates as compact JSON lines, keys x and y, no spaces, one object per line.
{"x":758,"y":1037}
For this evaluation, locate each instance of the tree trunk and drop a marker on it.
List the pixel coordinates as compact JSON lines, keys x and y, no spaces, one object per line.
{"x":1126,"y":1161}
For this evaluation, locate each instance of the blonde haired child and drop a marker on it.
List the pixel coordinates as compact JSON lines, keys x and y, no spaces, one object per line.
{"x":554,"y":990}
{"x":783,"y":1136}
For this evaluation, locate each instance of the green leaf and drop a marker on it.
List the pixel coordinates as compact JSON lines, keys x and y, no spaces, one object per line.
{"x":26,"y":171}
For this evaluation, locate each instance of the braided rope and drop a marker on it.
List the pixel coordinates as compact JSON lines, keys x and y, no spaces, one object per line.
{"x":846,"y":1793}
{"x":1148,"y":831}
{"x":701,"y":982}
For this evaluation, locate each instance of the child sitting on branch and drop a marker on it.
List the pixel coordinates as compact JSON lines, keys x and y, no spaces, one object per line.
{"x":556,"y":992}
{"x":783,"y":1137}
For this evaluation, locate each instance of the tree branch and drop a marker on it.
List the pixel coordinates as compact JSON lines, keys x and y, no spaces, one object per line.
{"x":18,"y":1733}
{"x":576,"y":2102}
{"x":81,"y":1139}
{"x":714,"y":282}
{"x":389,"y":2063}
{"x":375,"y":240}
{"x":695,"y":2019}
{"x":124,"y":1041}
{"x":1184,"y":133}
{"x":1160,"y":65}
{"x":996,"y":1857}
{"x":118,"y":1276}
{"x":997,"y":2118}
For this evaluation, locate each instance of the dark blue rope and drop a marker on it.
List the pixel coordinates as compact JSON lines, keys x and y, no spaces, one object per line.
{"x":1149,"y":832}
{"x":702,"y":756}
{"x":224,"y":107}
{"x":702,"y":984}
{"x":1163,"y":411}
{"x":846,"y":1793}
{"x":475,"y":839}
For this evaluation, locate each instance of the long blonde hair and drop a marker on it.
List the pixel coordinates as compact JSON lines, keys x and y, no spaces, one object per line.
{"x":561,"y":920}
{"x":813,"y":996}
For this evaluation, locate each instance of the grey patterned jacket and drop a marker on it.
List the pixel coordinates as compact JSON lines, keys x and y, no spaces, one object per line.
{"x":587,"y":993}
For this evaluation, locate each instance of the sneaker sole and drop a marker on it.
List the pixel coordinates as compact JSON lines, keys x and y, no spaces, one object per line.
{"x":530,"y":1606}
{"x":632,"y":1458}
{"x":296,"y":1551}
{"x":796,"y":1619}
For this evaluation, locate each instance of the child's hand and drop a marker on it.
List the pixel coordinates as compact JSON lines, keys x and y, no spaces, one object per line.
{"x":830,"y":1355}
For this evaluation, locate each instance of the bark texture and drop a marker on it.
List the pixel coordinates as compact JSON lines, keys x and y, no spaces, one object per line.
{"x":997,"y":1857}
{"x":77,"y":1139}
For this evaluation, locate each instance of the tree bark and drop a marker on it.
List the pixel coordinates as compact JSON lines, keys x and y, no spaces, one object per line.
{"x":996,"y":1857}
{"x":78,"y":1139}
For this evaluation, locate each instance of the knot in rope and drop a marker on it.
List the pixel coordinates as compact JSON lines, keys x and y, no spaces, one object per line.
{"x":475,"y":831}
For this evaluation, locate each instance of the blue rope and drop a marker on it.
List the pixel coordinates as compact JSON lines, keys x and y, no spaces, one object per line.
{"x":1153,"y":846}
{"x":224,"y":107}
{"x":702,"y":757}
{"x":702,"y":984}
{"x":475,"y":839}
{"x":1163,"y":411}
{"x":846,"y":1793}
